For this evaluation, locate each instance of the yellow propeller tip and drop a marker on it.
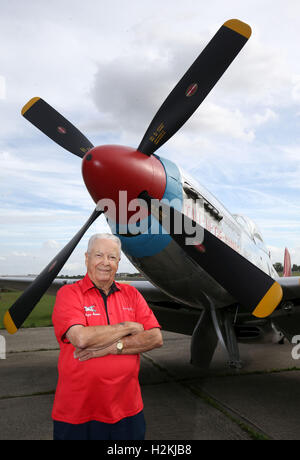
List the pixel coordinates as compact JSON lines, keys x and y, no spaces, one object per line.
{"x":9,"y":324}
{"x":29,"y":104}
{"x":240,"y":27}
{"x":269,"y":302}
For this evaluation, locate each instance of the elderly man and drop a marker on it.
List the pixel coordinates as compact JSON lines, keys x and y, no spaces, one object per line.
{"x":102,"y":327}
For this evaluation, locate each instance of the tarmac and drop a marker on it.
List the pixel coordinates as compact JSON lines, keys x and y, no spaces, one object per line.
{"x":259,"y":401}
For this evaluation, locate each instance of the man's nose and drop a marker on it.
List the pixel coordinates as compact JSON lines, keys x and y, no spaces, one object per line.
{"x":105,"y":260}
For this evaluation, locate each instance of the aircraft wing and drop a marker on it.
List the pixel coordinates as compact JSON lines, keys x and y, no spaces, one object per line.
{"x":21,"y":283}
{"x":171,"y":314}
{"x":291,"y":287}
{"x":287,"y":319}
{"x":150,"y":292}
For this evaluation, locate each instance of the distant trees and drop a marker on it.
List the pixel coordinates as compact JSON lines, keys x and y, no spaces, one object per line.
{"x":279,"y":267}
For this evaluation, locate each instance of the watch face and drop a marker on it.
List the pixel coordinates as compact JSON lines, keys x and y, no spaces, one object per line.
{"x":120,"y":346}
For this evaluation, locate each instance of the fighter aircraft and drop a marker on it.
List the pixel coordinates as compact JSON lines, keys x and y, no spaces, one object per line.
{"x":209,"y":272}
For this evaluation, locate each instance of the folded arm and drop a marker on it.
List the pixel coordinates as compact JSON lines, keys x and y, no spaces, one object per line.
{"x":98,"y":337}
{"x":132,"y":345}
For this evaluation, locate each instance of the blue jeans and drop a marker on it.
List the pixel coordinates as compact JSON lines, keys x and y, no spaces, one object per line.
{"x":129,"y":428}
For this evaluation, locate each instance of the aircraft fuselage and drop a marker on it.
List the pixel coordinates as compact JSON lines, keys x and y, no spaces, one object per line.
{"x":163,"y":262}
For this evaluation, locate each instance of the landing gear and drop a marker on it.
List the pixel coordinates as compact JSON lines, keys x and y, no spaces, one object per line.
{"x":214,"y":326}
{"x":223,"y":324}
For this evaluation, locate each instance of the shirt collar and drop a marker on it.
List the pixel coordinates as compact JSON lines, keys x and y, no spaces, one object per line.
{"x":86,"y":284}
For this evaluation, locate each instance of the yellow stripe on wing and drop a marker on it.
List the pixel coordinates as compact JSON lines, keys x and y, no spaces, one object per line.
{"x":269,"y":302}
{"x":29,"y":104}
{"x":238,"y":26}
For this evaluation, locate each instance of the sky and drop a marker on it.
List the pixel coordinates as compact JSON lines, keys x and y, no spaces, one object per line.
{"x":107,"y":66}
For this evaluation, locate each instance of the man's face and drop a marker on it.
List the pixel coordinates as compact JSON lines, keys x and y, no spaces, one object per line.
{"x":102,"y":262}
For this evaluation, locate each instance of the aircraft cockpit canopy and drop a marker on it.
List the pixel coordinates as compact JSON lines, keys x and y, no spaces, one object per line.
{"x":251,"y":228}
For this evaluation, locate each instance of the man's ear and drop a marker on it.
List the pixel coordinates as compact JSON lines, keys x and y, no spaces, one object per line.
{"x":86,"y":258}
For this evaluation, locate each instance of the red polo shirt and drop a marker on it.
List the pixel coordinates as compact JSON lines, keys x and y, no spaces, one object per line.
{"x":104,"y":389}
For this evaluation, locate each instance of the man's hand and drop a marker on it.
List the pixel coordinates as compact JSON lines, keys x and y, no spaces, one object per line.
{"x":135,"y":328}
{"x":144,"y":341}
{"x":84,"y":355}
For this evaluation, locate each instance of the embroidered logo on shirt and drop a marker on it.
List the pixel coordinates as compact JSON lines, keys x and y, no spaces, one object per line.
{"x":128,"y":308}
{"x":92,"y":310}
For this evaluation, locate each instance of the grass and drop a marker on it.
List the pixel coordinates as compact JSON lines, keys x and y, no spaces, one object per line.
{"x":39,"y":317}
{"x":293,"y":273}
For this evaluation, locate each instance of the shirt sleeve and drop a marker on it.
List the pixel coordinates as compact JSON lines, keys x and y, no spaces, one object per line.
{"x":67,"y":312}
{"x":144,"y":314}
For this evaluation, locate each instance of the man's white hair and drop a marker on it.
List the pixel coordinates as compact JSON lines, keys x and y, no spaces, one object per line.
{"x":103,"y":236}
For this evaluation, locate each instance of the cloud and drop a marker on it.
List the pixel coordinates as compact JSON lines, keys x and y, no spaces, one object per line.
{"x":50,"y":245}
{"x":215,"y":119}
{"x":2,"y":87}
{"x":34,"y":260}
{"x":262,"y":118}
{"x":129,"y":88}
{"x":108,"y":73}
{"x":49,"y":182}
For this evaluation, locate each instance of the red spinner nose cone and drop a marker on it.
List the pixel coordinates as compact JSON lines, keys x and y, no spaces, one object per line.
{"x":120,"y":174}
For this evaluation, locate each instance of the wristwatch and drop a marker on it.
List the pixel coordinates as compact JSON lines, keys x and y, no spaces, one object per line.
{"x":120,"y":346}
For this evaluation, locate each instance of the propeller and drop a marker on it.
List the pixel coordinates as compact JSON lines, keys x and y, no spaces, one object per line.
{"x":55,"y":126}
{"x":174,"y":112}
{"x":250,"y":286}
{"x":20,"y":310}
{"x":195,"y":85}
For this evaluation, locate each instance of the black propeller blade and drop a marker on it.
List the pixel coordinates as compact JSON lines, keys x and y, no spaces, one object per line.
{"x":174,"y":112}
{"x":55,"y":126}
{"x":249,"y":285}
{"x":195,"y":84}
{"x":20,"y":310}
